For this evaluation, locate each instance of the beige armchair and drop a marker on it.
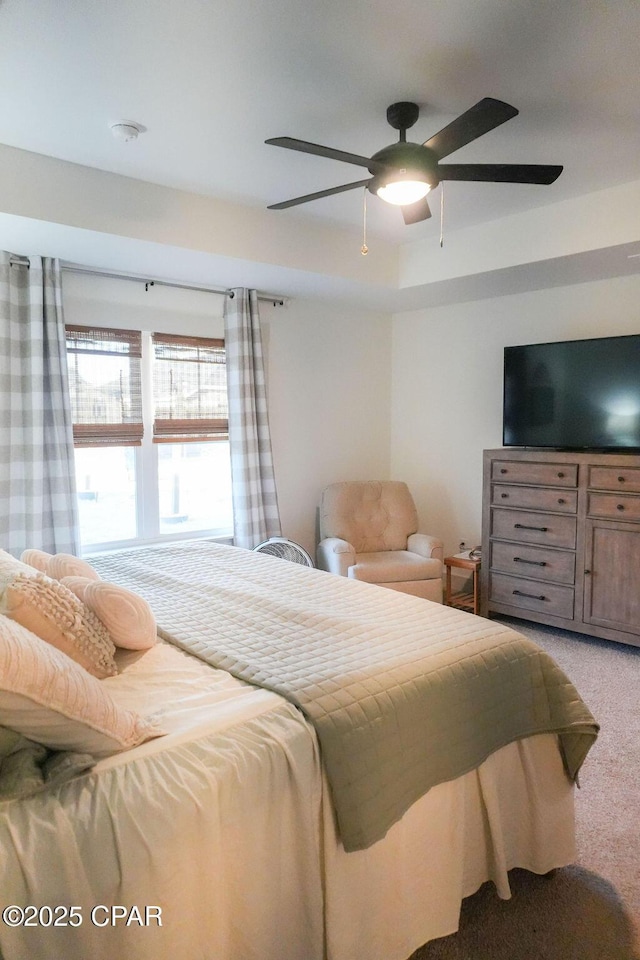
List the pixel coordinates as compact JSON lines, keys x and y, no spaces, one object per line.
{"x":369,"y":532}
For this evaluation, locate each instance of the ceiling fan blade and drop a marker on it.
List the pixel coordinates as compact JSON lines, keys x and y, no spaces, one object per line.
{"x":483,"y":117}
{"x":290,"y":143}
{"x":318,"y":195}
{"x":415,"y":212}
{"x":500,"y":172}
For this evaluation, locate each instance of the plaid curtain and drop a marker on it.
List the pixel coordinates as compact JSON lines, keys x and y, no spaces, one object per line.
{"x":37,"y":479}
{"x":255,"y":502}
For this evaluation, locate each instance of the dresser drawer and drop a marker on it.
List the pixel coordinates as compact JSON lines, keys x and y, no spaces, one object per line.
{"x":528,"y":595}
{"x":542,"y":528}
{"x":519,"y":559}
{"x":612,"y":507}
{"x":548,"y":474}
{"x":535,"y":498}
{"x":624,"y":479}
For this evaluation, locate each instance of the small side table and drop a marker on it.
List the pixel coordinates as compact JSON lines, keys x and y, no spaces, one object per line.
{"x":463,"y":601}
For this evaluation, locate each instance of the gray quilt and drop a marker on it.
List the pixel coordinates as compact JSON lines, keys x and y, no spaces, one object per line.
{"x":27,"y":767}
{"x":403,"y":693}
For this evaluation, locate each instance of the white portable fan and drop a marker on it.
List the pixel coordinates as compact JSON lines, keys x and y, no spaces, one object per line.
{"x":285,"y":550}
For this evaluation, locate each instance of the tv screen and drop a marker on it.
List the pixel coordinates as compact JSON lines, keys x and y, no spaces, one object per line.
{"x":576,"y":394}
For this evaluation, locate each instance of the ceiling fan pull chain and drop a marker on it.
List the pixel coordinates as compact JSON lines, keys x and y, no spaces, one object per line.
{"x":442,"y":214}
{"x":364,"y":249}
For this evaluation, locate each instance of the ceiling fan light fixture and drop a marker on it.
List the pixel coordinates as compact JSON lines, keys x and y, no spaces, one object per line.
{"x":403,"y":184}
{"x":403,"y":192}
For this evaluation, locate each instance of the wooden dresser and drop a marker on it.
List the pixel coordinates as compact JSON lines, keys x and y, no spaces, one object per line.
{"x":561,"y":540}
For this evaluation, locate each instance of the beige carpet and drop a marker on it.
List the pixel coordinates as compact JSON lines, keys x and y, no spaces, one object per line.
{"x":591,"y":910}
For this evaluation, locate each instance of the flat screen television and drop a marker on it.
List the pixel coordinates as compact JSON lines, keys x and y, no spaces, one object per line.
{"x":573,"y":395}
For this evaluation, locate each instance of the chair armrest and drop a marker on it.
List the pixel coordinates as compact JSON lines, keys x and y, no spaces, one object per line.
{"x":426,"y":546}
{"x":335,"y":555}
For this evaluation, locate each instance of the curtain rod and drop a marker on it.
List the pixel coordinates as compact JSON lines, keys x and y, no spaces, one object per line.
{"x":276,"y":299}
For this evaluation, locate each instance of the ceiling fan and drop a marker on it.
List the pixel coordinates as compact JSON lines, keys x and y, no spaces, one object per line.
{"x":403,"y":173}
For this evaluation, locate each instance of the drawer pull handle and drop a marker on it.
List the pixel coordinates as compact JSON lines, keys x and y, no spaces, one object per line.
{"x":533,"y":563}
{"x":561,"y":500}
{"x":620,"y":506}
{"x":560,"y":474}
{"x":503,"y":470}
{"x":532,"y":596}
{"x":522,"y":526}
{"x":620,"y":479}
{"x":505,"y":496}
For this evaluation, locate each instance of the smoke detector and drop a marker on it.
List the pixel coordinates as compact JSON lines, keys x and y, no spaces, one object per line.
{"x":126,"y":130}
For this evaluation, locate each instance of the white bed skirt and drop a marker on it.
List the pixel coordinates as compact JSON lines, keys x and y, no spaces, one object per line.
{"x":515,"y":810}
{"x":226,"y":824}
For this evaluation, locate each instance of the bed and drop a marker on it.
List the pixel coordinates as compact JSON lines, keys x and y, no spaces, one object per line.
{"x":225,"y":838}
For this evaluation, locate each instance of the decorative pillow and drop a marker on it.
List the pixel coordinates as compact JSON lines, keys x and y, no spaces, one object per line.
{"x":9,"y":567}
{"x":66,"y":565}
{"x":36,"y":558}
{"x":51,"y":611}
{"x":77,"y":585}
{"x":50,"y":699}
{"x":128,"y":617}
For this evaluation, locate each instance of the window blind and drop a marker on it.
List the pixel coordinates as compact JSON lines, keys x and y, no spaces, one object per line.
{"x":105,"y":385}
{"x":189,"y":389}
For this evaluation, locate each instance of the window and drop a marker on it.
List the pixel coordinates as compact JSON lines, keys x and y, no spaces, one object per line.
{"x":151,"y":436}
{"x":189,"y":388}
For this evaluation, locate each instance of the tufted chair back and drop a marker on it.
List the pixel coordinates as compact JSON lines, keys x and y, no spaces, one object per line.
{"x":371,"y":515}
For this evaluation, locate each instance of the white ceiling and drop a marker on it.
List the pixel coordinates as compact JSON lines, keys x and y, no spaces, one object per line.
{"x":211,"y":80}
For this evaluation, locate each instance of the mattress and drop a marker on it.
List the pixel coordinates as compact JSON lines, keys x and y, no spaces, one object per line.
{"x":226,"y":826}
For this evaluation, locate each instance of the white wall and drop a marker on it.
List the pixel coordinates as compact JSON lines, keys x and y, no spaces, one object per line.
{"x":447,"y":387}
{"x":329,"y":383}
{"x":328,"y":380}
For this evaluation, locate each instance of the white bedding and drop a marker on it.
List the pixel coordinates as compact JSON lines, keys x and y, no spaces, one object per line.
{"x":226,"y":824}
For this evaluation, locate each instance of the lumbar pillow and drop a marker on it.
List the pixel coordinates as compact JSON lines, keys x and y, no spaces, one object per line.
{"x":52,"y":700}
{"x":77,"y":585}
{"x":66,"y":565}
{"x":127,"y":616}
{"x":51,"y":611}
{"x":36,"y":558}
